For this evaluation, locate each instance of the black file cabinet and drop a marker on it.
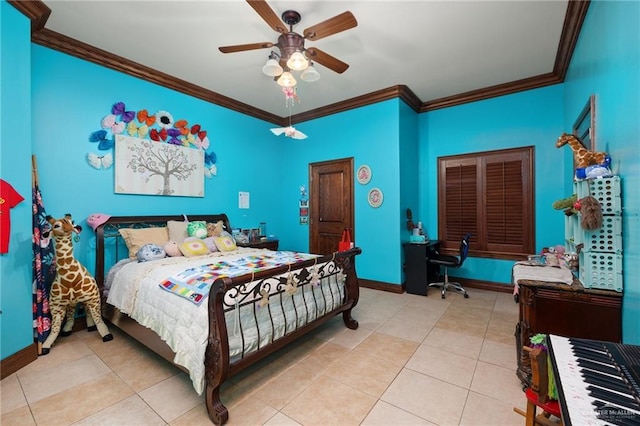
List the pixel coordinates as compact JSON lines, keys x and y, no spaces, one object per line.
{"x":417,"y":270}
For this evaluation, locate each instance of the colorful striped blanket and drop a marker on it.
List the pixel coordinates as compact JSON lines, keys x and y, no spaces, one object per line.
{"x":194,"y":283}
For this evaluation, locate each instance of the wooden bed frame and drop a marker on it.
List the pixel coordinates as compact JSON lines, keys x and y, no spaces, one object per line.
{"x":218,"y":365}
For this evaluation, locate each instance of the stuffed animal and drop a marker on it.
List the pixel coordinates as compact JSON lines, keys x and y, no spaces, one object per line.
{"x":150,"y":252}
{"x":210,"y":243}
{"x":172,"y":249}
{"x":582,"y":155}
{"x":215,"y":229}
{"x":591,"y":213}
{"x":197,"y":229}
{"x":566,"y":204}
{"x":595,"y":171}
{"x":73,"y":284}
{"x":96,"y":219}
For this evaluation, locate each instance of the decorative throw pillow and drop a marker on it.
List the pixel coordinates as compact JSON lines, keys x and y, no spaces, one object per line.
{"x":136,"y":238}
{"x":150,"y":252}
{"x":225,"y":242}
{"x":172,"y":249}
{"x":211,"y":245}
{"x":197,"y":229}
{"x":193,"y":247}
{"x":177,"y":230}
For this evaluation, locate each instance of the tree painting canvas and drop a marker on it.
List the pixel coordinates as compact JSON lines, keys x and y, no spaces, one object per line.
{"x":147,"y":167}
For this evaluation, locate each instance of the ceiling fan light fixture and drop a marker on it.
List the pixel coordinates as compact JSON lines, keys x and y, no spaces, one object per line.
{"x":310,"y":74}
{"x":272,"y":68}
{"x":287,"y":80}
{"x":297,"y":62}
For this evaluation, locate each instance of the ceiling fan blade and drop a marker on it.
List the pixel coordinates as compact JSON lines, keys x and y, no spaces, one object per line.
{"x":331,"y":62}
{"x":334,"y":25}
{"x":243,"y":47}
{"x":269,"y":16}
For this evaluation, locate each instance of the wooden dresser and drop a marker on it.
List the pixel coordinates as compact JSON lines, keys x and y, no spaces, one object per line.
{"x":565,"y":310}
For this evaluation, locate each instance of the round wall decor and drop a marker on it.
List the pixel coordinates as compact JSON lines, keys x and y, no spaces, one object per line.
{"x":375,"y":198}
{"x":363,"y":174}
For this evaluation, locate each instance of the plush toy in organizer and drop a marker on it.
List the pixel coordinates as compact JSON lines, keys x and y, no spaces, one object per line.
{"x":591,"y":213}
{"x":582,"y":155}
{"x":595,"y":171}
{"x":566,"y":204}
{"x":73,"y":284}
{"x":150,"y":252}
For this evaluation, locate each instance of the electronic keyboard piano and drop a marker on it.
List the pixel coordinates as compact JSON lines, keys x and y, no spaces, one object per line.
{"x":598,"y":382}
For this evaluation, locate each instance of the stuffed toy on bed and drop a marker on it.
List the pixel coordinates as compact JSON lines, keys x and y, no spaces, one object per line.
{"x":172,"y":249}
{"x":150,"y":252}
{"x":215,"y":229}
{"x":197,"y":229}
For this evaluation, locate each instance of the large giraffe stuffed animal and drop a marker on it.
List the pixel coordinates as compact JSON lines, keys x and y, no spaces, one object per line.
{"x":582,"y":155}
{"x":73,"y":284}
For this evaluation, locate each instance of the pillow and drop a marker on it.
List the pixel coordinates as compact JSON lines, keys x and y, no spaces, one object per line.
{"x":136,"y":238}
{"x":211,"y":245}
{"x":193,"y":247}
{"x":177,"y":230}
{"x":150,"y":252}
{"x":225,"y":242}
{"x":197,"y":229}
{"x":172,"y":249}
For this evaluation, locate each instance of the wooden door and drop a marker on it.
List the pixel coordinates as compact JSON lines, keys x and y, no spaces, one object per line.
{"x":330,"y":204}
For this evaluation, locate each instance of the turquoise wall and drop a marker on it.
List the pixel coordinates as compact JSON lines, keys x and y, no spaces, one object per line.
{"x":528,"y":118}
{"x":369,"y":135}
{"x":70,"y":98}
{"x":62,"y":99}
{"x":16,"y":329}
{"x":409,"y":170}
{"x":606,"y":62}
{"x":271,"y":169}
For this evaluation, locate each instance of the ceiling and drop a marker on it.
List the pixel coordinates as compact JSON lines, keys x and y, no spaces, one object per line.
{"x":431,"y":53}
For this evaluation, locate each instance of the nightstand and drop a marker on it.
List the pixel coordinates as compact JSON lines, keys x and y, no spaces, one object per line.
{"x":268,"y":244}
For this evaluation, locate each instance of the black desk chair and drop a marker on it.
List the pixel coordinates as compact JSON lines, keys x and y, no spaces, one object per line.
{"x":451,"y":262}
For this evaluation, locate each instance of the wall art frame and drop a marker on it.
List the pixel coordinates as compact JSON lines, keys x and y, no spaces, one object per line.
{"x":147,"y":167}
{"x":363,"y":174}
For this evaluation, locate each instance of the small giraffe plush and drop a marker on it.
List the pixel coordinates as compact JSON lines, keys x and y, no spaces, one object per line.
{"x":582,"y":155}
{"x":73,"y":284}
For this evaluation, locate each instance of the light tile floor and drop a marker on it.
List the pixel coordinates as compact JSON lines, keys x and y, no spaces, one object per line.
{"x":414,"y":360}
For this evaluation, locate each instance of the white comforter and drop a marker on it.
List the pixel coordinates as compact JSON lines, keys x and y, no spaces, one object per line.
{"x":184,"y":326}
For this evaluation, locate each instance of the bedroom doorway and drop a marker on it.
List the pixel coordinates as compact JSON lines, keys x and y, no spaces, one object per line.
{"x":330,"y":204}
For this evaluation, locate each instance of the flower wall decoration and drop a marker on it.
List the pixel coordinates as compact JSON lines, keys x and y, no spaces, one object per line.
{"x":159,"y":127}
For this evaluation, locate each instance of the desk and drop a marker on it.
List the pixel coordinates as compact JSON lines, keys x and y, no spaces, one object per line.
{"x":565,"y":310}
{"x":417,"y":271}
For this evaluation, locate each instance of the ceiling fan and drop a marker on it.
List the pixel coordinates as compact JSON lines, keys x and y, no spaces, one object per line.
{"x":290,"y":42}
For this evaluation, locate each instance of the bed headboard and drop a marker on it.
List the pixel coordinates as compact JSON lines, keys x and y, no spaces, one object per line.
{"x":110,"y":247}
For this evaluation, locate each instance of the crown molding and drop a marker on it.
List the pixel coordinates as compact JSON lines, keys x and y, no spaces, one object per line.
{"x":38,"y":13}
{"x":573,"y":20}
{"x":62,"y":43}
